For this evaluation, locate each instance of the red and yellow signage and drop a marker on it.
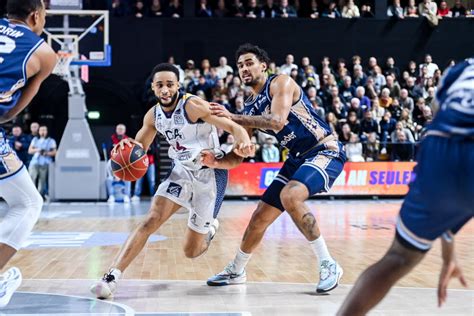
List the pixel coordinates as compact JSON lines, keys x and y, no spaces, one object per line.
{"x":361,"y":178}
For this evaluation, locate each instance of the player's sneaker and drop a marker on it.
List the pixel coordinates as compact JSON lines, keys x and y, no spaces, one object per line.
{"x":213,"y":229}
{"x":227,"y":277}
{"x":135,"y":199}
{"x":330,"y":272}
{"x":126,"y":199}
{"x":9,"y":282}
{"x":111,"y":199}
{"x":105,"y":287}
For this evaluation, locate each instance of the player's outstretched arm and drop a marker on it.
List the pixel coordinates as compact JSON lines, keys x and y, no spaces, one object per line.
{"x":282,"y":90}
{"x":47,"y":60}
{"x":199,"y":109}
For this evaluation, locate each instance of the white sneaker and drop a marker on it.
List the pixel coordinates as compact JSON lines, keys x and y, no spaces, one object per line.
{"x":9,"y":282}
{"x":105,"y":287}
{"x":126,"y":199}
{"x":330,"y":272}
{"x":227,"y":277}
{"x":135,"y":199}
{"x":111,"y":199}
{"x":213,"y":229}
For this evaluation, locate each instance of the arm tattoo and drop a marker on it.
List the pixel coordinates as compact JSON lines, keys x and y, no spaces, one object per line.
{"x":264,"y":121}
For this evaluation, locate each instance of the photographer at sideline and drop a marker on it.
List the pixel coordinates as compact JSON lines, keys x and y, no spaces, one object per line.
{"x":43,"y":149}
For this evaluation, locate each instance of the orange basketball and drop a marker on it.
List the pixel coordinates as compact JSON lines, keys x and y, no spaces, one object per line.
{"x":129,"y":163}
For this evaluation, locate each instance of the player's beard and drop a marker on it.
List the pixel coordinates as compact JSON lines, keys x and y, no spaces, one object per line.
{"x":171,"y":103}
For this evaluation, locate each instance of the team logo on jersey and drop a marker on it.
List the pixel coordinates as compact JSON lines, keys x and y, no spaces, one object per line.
{"x":174,"y":189}
{"x":173,"y":134}
{"x":178,"y":119}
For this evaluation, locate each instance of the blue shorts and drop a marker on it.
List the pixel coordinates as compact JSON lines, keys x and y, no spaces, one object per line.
{"x":317,"y":170}
{"x":441,"y":198}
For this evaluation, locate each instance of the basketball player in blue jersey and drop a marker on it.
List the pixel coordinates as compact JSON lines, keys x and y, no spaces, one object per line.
{"x":189,"y":127}
{"x":25,"y":61}
{"x":440,"y":200}
{"x":279,"y":107}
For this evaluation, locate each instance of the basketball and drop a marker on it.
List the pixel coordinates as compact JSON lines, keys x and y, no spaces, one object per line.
{"x":129,"y":163}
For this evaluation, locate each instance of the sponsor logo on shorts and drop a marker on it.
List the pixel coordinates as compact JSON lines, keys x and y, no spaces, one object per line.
{"x":174,"y":189}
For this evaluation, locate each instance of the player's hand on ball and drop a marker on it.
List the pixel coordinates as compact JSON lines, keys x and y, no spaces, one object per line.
{"x":125,"y":142}
{"x":208,"y":159}
{"x":220,"y":110}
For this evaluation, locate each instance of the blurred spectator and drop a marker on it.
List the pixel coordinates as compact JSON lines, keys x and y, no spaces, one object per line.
{"x":331,"y":119}
{"x":403,"y":150}
{"x":350,"y":10}
{"x":229,"y":144}
{"x":391,"y":69}
{"x":412,"y":69}
{"x":269,"y":10}
{"x":270,"y":152}
{"x":372,"y":148}
{"x":234,"y":87}
{"x":431,"y":67}
{"x":377,"y":110}
{"x":354,"y":149}
{"x":365,"y":103}
{"x":379,"y":79}
{"x":172,"y":61}
{"x":317,"y":105}
{"x":43,"y":149}
{"x":118,"y":8}
{"x":406,"y":102}
{"x":431,"y":97}
{"x":385,"y":99}
{"x":252,"y":11}
{"x":354,"y":122}
{"x":400,"y":128}
{"x":331,"y":11}
{"x":239,"y":105}
{"x":221,"y":11}
{"x":443,"y":10}
{"x":366,"y":11}
{"x":458,"y":10}
{"x":407,"y":121}
{"x":20,"y":142}
{"x":387,"y":126}
{"x":314,"y":11}
{"x":155,"y":9}
{"x":237,"y":9}
{"x":392,"y":86}
{"x":411,"y":10}
{"x":120,"y":133}
{"x":370,"y":89}
{"x":359,"y":78}
{"x":347,"y":90}
{"x":34,"y":129}
{"x":286,"y":11}
{"x":428,"y":8}
{"x":395,"y":109}
{"x":368,"y":125}
{"x":414,"y":91}
{"x":395,"y":10}
{"x":355,"y":107}
{"x":204,"y":10}
{"x":257,"y":155}
{"x":288,"y":65}
{"x":174,"y":9}
{"x":345,"y":133}
{"x":139,"y":9}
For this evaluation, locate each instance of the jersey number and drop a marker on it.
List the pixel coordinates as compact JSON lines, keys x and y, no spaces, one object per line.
{"x":7,"y":45}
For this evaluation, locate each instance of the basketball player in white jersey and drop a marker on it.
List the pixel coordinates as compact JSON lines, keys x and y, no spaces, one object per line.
{"x":25,"y":61}
{"x":190,"y":129}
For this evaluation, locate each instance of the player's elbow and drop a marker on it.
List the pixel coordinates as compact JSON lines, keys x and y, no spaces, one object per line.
{"x":277,"y":123}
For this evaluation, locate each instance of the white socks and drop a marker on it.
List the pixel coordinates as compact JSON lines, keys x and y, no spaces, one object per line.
{"x":116,"y":273}
{"x":320,"y":249}
{"x":240,"y":261}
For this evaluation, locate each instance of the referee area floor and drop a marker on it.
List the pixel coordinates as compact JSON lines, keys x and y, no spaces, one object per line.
{"x":73,"y":244}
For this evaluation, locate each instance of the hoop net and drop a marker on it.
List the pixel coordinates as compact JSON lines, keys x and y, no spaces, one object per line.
{"x":62,"y":67}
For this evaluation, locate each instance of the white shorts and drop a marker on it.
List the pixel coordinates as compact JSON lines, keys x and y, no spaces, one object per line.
{"x":200,"y":191}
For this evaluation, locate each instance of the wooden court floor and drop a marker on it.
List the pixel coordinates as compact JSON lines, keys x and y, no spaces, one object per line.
{"x":357,"y":233}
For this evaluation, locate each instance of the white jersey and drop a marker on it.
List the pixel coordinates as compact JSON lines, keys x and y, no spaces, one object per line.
{"x":186,"y":139}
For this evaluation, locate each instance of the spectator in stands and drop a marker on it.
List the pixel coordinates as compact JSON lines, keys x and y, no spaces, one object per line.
{"x":257,"y":155}
{"x":355,"y":107}
{"x":333,"y":122}
{"x":407,"y":121}
{"x":371,"y":66}
{"x":406,"y":102}
{"x":174,"y":9}
{"x":370,"y":89}
{"x":443,"y":10}
{"x":314,"y":10}
{"x":366,"y":11}
{"x":354,"y":122}
{"x":221,"y":11}
{"x":150,"y":175}
{"x":365,"y":103}
{"x":347,"y":90}
{"x":431,"y":67}
{"x":204,"y":10}
{"x":350,"y":10}
{"x":34,"y":129}
{"x":418,"y":111}
{"x":414,"y":91}
{"x":270,"y":152}
{"x":234,"y":87}
{"x":431,"y":96}
{"x":118,"y":8}
{"x":392,"y":86}
{"x":368,"y":125}
{"x":359,"y":77}
{"x":155,"y":9}
{"x":413,"y":71}
{"x":377,"y":110}
{"x":387,"y":126}
{"x":385,"y":99}
{"x":311,"y":78}
{"x":286,"y":11}
{"x":391,"y":69}
{"x":354,"y":149}
{"x":395,"y":10}
{"x":403,"y":150}
{"x":317,"y":105}
{"x":43,"y":149}
{"x":372,"y":148}
{"x":20,"y":143}
{"x":395,"y":109}
{"x":411,"y":10}
{"x":331,"y":11}
{"x":338,"y":108}
{"x":428,"y":8}
{"x":288,"y":65}
{"x":237,"y":9}
{"x":305,"y":62}
{"x":458,"y":10}
{"x":239,"y":105}
{"x":229,"y":144}
{"x":269,"y":10}
{"x":344,"y":133}
{"x":379,"y":79}
{"x":399,"y":127}
{"x":252,"y":11}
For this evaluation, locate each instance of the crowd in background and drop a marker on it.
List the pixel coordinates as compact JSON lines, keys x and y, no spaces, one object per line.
{"x":377,"y":108}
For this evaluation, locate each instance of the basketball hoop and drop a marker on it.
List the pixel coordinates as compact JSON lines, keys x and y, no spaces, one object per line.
{"x":62,"y":67}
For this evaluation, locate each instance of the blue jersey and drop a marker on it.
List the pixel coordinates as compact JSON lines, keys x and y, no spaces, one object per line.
{"x":456,"y":101}
{"x":303,"y":130}
{"x":17,"y":44}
